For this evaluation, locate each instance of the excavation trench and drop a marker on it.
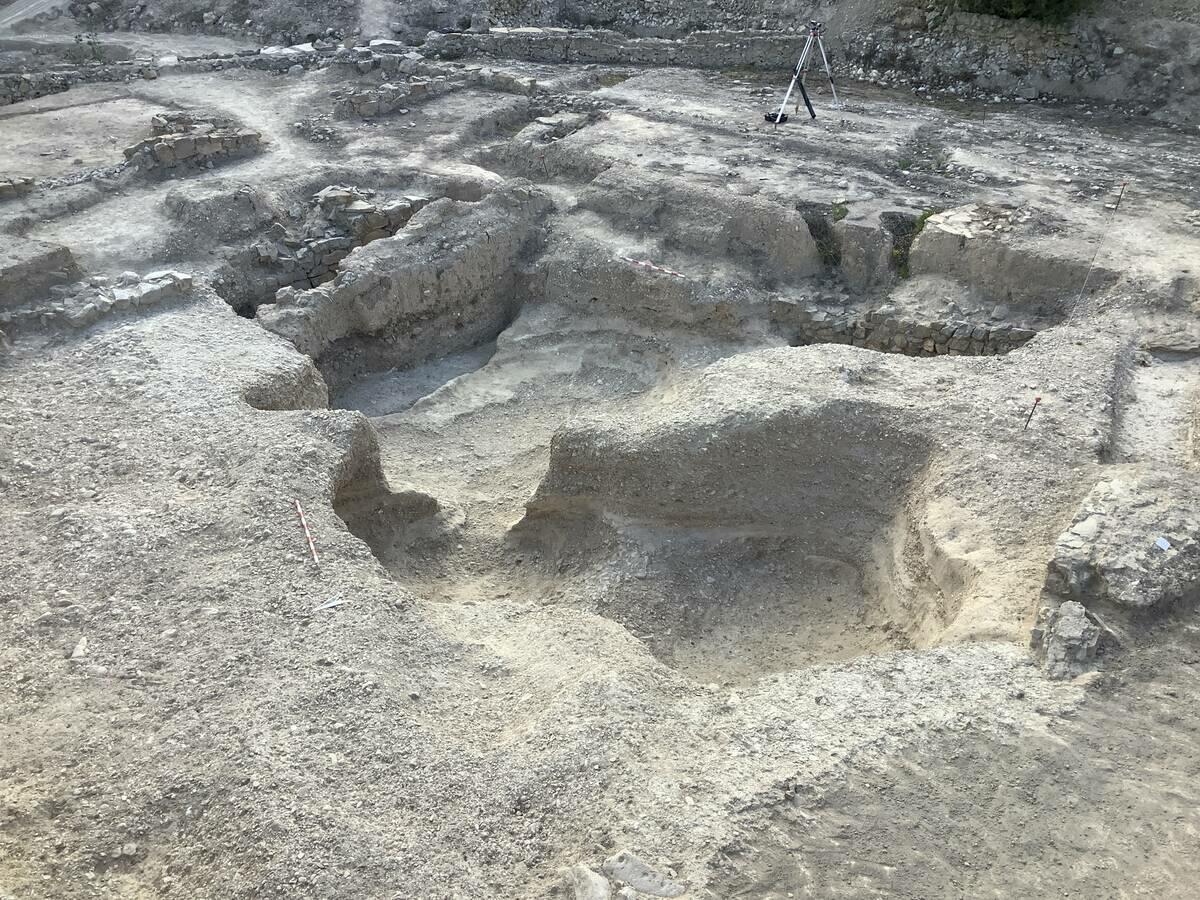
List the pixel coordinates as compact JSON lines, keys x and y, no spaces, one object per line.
{"x":739,"y":551}
{"x":808,"y":558}
{"x":514,"y":380}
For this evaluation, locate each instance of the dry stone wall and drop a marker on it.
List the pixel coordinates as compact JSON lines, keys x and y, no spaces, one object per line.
{"x":342,"y":219}
{"x":15,"y":187}
{"x":561,"y":45}
{"x":883,"y":330}
{"x":83,"y":303}
{"x":183,"y":139}
{"x":16,"y":87}
{"x":1150,"y":65}
{"x":397,"y":97}
{"x":389,"y":98}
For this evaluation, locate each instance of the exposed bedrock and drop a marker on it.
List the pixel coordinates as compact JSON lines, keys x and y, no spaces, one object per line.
{"x":1133,"y":544}
{"x":857,"y":497}
{"x":584,"y":269}
{"x":974,"y":244}
{"x":447,"y":281}
{"x":757,"y":232}
{"x":29,"y":269}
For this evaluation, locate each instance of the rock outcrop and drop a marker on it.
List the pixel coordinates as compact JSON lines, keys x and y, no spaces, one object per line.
{"x":1134,"y":545}
{"x":446,"y":281}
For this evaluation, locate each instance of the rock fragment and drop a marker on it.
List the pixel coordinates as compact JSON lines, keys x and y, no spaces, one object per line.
{"x":586,"y":884}
{"x":632,"y":871}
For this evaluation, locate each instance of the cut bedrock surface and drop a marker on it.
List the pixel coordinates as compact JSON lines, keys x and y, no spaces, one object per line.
{"x":717,"y":515}
{"x":758,"y":545}
{"x":764,"y":236}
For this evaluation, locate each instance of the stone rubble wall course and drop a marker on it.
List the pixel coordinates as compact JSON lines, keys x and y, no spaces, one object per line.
{"x":881,"y":330}
{"x":83,"y":303}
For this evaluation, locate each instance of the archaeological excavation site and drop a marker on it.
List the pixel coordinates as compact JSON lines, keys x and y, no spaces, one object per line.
{"x":564,"y":450}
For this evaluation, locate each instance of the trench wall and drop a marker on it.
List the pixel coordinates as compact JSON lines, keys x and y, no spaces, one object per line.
{"x":448,"y":280}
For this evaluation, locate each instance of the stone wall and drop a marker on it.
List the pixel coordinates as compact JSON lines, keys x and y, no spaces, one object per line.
{"x":15,"y":187}
{"x":397,"y":97}
{"x":16,"y":87}
{"x":657,"y":18}
{"x":182,"y":139}
{"x":270,"y":20}
{"x":389,"y":98}
{"x":83,"y":303}
{"x":884,"y":331}
{"x":343,"y":218}
{"x":558,"y":45}
{"x":1151,"y":66}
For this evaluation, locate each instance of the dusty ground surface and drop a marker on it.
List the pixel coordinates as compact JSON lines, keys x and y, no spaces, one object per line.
{"x":653,"y":566}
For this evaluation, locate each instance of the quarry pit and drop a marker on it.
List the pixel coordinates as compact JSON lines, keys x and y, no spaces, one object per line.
{"x":493,"y":467}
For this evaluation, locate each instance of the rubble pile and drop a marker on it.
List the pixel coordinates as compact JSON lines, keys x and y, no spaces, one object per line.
{"x":15,"y":87}
{"x":1132,"y":545}
{"x":1065,"y":640}
{"x":341,"y":219}
{"x":29,"y":268}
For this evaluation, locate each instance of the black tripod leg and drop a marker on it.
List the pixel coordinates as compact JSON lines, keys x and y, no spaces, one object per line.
{"x":803,"y":93}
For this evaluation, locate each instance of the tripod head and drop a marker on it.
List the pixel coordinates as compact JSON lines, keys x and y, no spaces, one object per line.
{"x":815,"y":28}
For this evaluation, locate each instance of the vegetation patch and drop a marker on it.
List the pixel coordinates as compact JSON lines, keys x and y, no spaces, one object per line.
{"x":1042,"y":10}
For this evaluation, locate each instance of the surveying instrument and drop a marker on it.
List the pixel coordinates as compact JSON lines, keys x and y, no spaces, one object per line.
{"x":815,"y":30}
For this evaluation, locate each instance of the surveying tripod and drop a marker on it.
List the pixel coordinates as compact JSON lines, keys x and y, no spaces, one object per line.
{"x":815,"y":30}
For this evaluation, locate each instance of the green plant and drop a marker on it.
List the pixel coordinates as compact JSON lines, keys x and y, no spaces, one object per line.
{"x":904,"y":232}
{"x":923,"y":218}
{"x":1042,"y":10}
{"x":612,"y":79}
{"x":838,"y":212}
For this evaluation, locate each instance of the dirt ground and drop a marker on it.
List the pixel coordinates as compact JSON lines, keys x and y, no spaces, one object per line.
{"x":650,"y":568}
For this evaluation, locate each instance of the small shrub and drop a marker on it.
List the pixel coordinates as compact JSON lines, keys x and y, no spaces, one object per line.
{"x":1042,"y":10}
{"x":923,"y":218}
{"x":612,"y":79}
